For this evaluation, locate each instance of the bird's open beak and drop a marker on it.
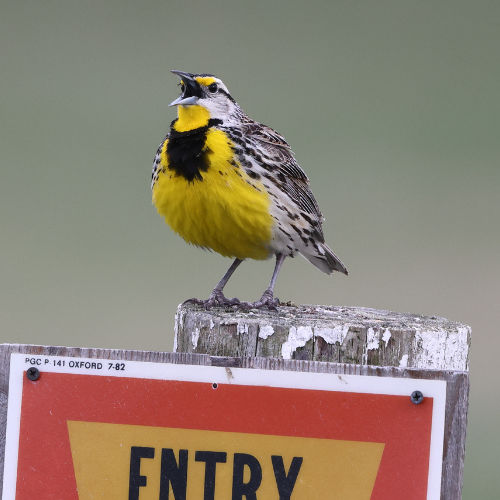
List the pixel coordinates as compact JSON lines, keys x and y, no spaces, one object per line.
{"x":192,"y":90}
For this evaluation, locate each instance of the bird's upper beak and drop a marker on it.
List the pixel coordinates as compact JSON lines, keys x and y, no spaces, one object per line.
{"x":192,"y":90}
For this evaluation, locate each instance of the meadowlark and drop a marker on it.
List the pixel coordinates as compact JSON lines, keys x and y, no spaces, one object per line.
{"x":227,"y":183}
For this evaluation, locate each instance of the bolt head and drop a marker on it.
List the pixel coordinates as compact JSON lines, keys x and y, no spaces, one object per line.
{"x":33,"y":373}
{"x":416,"y":397}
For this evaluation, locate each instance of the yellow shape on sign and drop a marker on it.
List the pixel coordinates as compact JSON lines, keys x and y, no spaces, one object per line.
{"x":155,"y":463}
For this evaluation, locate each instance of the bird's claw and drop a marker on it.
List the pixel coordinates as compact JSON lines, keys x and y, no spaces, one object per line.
{"x":216,"y":299}
{"x":267,"y":301}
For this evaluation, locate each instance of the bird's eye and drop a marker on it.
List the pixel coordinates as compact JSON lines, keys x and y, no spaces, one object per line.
{"x":213,"y":88}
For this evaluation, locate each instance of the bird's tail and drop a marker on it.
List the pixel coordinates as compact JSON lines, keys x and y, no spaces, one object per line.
{"x":325,"y":260}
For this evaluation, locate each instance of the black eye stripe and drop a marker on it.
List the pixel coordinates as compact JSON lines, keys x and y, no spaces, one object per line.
{"x":227,"y":95}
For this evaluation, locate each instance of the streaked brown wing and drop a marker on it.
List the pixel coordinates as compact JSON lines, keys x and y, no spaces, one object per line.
{"x":292,"y":178}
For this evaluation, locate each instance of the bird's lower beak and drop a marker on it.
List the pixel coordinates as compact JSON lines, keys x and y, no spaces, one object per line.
{"x":192,"y":90}
{"x":184,"y":101}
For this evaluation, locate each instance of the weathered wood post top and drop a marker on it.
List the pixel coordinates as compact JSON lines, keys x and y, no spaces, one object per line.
{"x":353,"y":335}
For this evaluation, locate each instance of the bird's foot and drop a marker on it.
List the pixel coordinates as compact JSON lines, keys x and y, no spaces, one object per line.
{"x":267,"y":301}
{"x":216,"y":299}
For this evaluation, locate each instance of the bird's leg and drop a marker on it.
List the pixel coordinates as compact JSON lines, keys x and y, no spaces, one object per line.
{"x":217,"y":298}
{"x":267,"y":299}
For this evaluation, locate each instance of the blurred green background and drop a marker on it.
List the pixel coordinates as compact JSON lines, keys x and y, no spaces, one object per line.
{"x":392,"y":108}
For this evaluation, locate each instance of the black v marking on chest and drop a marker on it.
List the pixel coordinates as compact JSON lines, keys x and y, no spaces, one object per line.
{"x":186,"y":151}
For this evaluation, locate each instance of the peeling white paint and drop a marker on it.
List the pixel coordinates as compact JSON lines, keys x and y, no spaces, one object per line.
{"x":176,"y":332}
{"x":334,"y":335}
{"x":179,"y":320}
{"x":403,"y":363}
{"x":430,"y":342}
{"x":297,"y":337}
{"x":372,"y":339}
{"x":242,"y":327}
{"x":430,"y":347}
{"x":386,"y":336}
{"x":440,"y":349}
{"x":265,"y":331}
{"x":194,"y":337}
{"x":463,"y":334}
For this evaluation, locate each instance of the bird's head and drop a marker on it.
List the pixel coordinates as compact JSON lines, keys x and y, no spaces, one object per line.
{"x":203,"y":97}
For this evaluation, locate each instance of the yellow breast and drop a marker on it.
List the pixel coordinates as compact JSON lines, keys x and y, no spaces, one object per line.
{"x":225,"y":211}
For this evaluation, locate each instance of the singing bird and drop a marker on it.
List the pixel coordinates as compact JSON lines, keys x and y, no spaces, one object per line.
{"x":227,"y":183}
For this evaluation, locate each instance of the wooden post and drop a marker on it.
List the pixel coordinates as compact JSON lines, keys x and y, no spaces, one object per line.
{"x":354,"y":335}
{"x":353,"y":340}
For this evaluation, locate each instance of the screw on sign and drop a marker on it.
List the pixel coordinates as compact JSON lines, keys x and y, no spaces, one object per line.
{"x":416,"y":397}
{"x":33,"y":373}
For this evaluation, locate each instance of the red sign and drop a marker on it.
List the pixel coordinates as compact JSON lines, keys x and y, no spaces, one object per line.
{"x":88,"y":429}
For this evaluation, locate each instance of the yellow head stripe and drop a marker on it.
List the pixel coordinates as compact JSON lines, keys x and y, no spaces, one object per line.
{"x":205,"y":80}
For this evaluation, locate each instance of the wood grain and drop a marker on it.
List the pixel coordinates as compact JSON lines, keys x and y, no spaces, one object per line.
{"x":354,"y":335}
